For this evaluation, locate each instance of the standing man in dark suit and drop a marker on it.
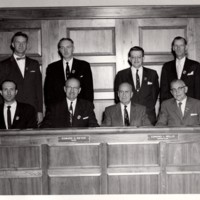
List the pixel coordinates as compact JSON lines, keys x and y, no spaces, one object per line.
{"x":70,"y":112}
{"x":180,"y":68}
{"x":180,"y":110}
{"x":25,"y":72}
{"x":58,"y":72}
{"x":13,"y":114}
{"x":126,"y":113}
{"x":143,"y":80}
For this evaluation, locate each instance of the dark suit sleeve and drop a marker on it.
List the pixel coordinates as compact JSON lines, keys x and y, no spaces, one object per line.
{"x":145,"y":119}
{"x":48,"y":119}
{"x":164,"y":85}
{"x":107,"y":121}
{"x":87,"y":91}
{"x":92,"y":118}
{"x":163,"y":116}
{"x":30,"y":116}
{"x":155,"y":89}
{"x":197,"y":82}
{"x":38,"y":89}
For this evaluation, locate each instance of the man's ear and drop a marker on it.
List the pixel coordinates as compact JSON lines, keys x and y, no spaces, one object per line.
{"x":64,"y":88}
{"x":186,"y":89}
{"x":79,"y":90}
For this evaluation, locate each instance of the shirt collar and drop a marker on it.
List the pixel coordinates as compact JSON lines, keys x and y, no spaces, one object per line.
{"x":16,"y":56}
{"x":182,"y":60}
{"x":183,"y":101}
{"x":14,"y":104}
{"x":135,"y":69}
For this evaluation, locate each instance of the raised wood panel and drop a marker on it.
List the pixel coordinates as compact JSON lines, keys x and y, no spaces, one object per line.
{"x":188,"y":183}
{"x":93,"y":41}
{"x":75,"y":155}
{"x":75,"y":185}
{"x":145,"y":154}
{"x":34,"y":42}
{"x":157,"y":40}
{"x":183,"y":154}
{"x":20,"y":186}
{"x":103,"y":76}
{"x":131,"y":184}
{"x":20,"y":157}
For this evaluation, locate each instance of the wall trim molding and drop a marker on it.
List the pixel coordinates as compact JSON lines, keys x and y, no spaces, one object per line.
{"x":101,"y":12}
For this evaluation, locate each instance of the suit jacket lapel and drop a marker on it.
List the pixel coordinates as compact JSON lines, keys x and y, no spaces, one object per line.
{"x":119,"y":113}
{"x":16,"y":67}
{"x":187,"y":107}
{"x":173,"y":70}
{"x":16,"y":116}
{"x":130,"y":79}
{"x":186,"y":69}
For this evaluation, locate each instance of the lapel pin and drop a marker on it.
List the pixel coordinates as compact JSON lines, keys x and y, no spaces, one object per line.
{"x":17,"y":117}
{"x":78,"y":117}
{"x":145,"y":78}
{"x":184,"y":72}
{"x":73,"y":71}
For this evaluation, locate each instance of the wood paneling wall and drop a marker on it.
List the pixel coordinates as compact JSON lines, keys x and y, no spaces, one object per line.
{"x":103,"y":37}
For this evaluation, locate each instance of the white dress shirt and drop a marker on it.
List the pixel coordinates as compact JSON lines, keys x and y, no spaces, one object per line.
{"x":182,"y":105}
{"x":65,"y":66}
{"x":73,"y":105}
{"x":179,"y":66}
{"x":128,"y":110}
{"x":140,"y":73}
{"x":12,"y":110}
{"x":21,"y":64}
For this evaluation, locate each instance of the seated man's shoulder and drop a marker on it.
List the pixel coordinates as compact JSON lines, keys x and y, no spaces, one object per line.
{"x":139,"y":106}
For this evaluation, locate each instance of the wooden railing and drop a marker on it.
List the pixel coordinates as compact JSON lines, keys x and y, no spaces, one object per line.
{"x":100,"y":161}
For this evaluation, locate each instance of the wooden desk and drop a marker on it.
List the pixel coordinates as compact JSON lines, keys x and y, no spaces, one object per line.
{"x":100,"y":161}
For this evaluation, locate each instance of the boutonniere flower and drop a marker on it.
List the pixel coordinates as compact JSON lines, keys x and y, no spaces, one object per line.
{"x":184,"y":72}
{"x":73,"y":71}
{"x":17,"y":117}
{"x":78,"y":117}
{"x":145,"y":78}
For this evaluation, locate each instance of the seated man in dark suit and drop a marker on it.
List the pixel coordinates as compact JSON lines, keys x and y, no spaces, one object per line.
{"x":126,"y":113}
{"x":180,"y":110}
{"x":70,"y":112}
{"x":13,"y":114}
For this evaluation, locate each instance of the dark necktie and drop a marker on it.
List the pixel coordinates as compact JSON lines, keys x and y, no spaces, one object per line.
{"x":71,"y":113}
{"x":126,"y":118}
{"x":137,"y":81}
{"x":67,"y":70}
{"x":179,"y":107}
{"x":9,"y":117}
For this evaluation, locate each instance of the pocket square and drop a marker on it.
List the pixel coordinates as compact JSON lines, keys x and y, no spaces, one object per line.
{"x":149,"y":83}
{"x":191,"y":73}
{"x":85,"y":117}
{"x":81,"y":76}
{"x":193,"y":114}
{"x":32,"y":71}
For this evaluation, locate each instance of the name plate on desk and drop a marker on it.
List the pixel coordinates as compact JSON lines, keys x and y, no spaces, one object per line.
{"x":163,"y":137}
{"x":74,"y":138}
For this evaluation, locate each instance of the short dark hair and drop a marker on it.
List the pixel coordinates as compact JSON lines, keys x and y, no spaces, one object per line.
{"x":7,"y":80}
{"x":136,"y":48}
{"x":63,"y":39}
{"x":179,"y":38}
{"x":19,"y":34}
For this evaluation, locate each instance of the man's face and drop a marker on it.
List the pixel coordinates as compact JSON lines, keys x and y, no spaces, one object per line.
{"x":66,"y":49}
{"x":72,"y":89}
{"x":8,"y":92}
{"x":179,"y":48}
{"x":136,"y":58}
{"x":20,"y":45}
{"x":125,"y":93}
{"x":179,"y":90}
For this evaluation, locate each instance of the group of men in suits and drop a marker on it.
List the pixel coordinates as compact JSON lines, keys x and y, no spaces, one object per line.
{"x":68,"y":89}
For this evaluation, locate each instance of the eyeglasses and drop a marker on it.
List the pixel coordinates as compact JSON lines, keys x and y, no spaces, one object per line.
{"x":72,"y":88}
{"x":177,"y":89}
